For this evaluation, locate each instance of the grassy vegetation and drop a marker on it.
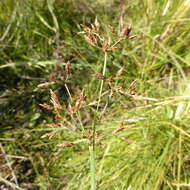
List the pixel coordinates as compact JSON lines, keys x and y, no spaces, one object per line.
{"x":117,"y":119}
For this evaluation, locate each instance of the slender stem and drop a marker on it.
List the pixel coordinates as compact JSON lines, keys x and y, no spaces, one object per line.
{"x":68,"y":91}
{"x":80,"y":122}
{"x":179,"y":160}
{"x":92,"y":167}
{"x":78,"y":116}
{"x":8,"y":164}
{"x":118,"y":41}
{"x":14,"y":186}
{"x":93,"y":146}
{"x":102,"y":82}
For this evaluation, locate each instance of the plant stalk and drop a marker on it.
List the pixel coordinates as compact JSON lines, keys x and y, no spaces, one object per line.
{"x":93,"y":146}
{"x":102,"y":82}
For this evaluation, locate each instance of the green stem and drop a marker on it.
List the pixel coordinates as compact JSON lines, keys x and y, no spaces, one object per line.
{"x":92,"y":167}
{"x":102,"y":82}
{"x":179,"y":161}
{"x":93,"y":146}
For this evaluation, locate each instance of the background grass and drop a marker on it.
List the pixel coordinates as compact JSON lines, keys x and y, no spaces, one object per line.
{"x":151,"y":151}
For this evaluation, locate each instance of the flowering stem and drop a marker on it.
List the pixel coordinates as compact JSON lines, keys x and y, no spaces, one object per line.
{"x":92,"y":148}
{"x":102,"y":82}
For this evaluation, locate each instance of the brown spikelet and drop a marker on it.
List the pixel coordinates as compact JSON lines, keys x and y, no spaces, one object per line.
{"x":54,"y":125}
{"x":57,"y":115}
{"x":97,"y":25}
{"x":70,"y":109}
{"x":62,"y":78}
{"x":109,"y":85}
{"x":55,"y":101}
{"x":50,"y":135}
{"x":45,"y":84}
{"x":67,"y":68}
{"x":86,"y":28}
{"x":64,"y":145}
{"x":46,"y":106}
{"x":120,"y":72}
{"x":77,"y":106}
{"x":52,"y":77}
{"x":125,"y":31}
{"x":56,"y":105}
{"x":114,"y":48}
{"x":112,"y":31}
{"x":132,"y":88}
{"x":105,"y":46}
{"x":82,"y":97}
{"x":99,"y":76}
{"x":128,"y":140}
{"x":91,"y":40}
{"x":131,"y":37}
{"x":121,"y":23}
{"x":119,"y":129}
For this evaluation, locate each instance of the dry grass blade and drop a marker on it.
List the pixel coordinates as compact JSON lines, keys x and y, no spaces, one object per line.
{"x":45,"y":84}
{"x":9,"y":26}
{"x":9,"y":165}
{"x":14,"y":186}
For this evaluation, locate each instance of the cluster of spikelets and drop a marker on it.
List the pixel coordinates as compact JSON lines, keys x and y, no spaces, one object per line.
{"x":94,"y":37}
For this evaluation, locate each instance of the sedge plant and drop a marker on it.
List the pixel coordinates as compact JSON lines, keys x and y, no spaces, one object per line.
{"x":106,"y":44}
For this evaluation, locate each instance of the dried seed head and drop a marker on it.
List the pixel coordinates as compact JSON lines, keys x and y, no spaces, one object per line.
{"x":132,"y":88}
{"x":112,"y":31}
{"x":68,"y":68}
{"x":105,"y":46}
{"x":120,"y":72}
{"x":90,"y":133}
{"x":70,"y":108}
{"x":91,"y":39}
{"x":68,"y":144}
{"x":56,"y":105}
{"x":111,"y":93}
{"x":54,"y":125}
{"x":99,"y":76}
{"x":109,"y":85}
{"x":125,"y":31}
{"x":127,"y":140}
{"x":57,"y":115}
{"x":109,"y":41}
{"x":119,"y":129}
{"x":50,"y":135}
{"x":45,"y":135}
{"x":55,"y":101}
{"x":131,"y":92}
{"x":114,"y":48}
{"x":97,"y":25}
{"x":131,"y":37}
{"x":110,"y":79}
{"x":86,"y":28}
{"x":52,"y":77}
{"x":77,"y":106}
{"x":62,"y":78}
{"x":45,"y":84}
{"x":121,"y":23}
{"x":129,"y":28}
{"x":82,"y":96}
{"x":46,"y":106}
